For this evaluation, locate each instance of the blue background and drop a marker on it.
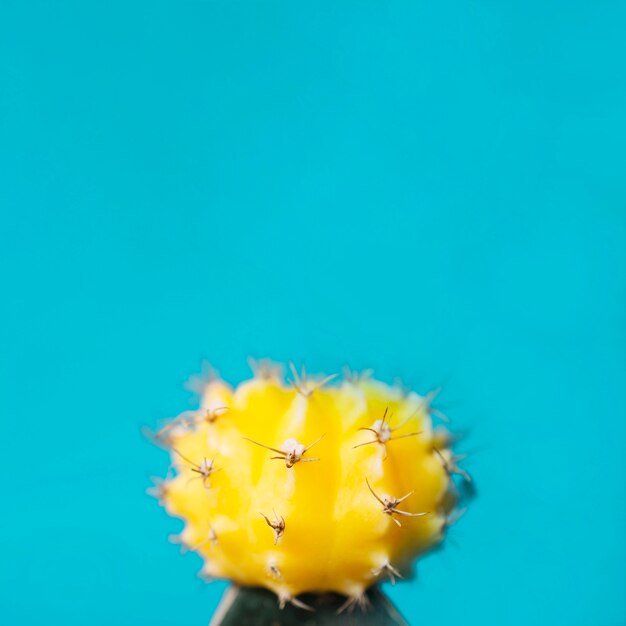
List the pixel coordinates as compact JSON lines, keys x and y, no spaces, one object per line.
{"x":434,"y":191}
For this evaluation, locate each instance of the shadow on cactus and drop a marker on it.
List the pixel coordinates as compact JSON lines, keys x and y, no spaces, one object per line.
{"x":312,"y":488}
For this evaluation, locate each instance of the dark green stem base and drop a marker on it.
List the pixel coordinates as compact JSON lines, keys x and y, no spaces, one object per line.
{"x":251,"y":606}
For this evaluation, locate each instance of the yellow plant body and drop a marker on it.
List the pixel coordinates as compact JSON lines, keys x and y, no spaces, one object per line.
{"x":333,"y":519}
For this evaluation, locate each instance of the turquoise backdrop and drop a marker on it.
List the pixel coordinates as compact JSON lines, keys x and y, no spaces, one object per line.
{"x":433,"y":189}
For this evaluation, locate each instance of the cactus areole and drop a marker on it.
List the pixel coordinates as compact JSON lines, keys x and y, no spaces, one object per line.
{"x":311,"y":484}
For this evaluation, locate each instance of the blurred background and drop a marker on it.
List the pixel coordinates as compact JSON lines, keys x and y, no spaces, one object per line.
{"x":434,"y":190}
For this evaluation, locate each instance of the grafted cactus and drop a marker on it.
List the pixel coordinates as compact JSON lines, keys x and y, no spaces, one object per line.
{"x":310,"y":485}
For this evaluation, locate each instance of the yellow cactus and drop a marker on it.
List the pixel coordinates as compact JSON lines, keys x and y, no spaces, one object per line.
{"x":310,"y":485}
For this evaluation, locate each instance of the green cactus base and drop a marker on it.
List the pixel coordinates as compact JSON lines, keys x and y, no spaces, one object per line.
{"x":245,"y":606}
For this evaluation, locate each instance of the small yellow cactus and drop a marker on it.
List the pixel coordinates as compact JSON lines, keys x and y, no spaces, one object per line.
{"x":311,"y":485}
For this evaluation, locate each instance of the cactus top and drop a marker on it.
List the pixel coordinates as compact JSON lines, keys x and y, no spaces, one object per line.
{"x":309,"y":486}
